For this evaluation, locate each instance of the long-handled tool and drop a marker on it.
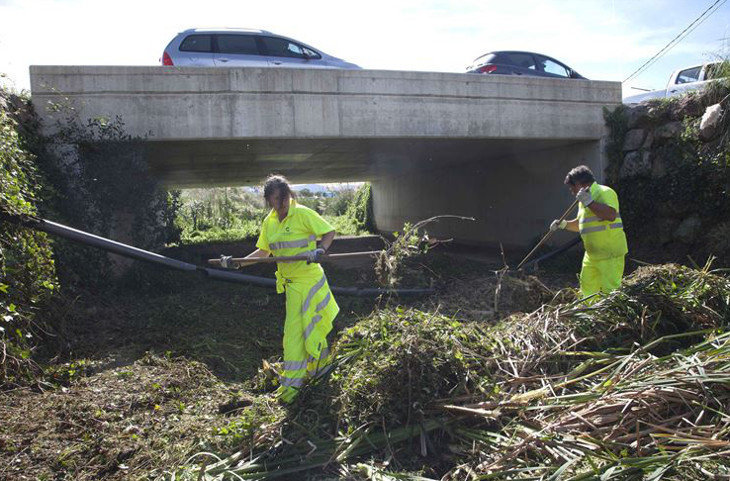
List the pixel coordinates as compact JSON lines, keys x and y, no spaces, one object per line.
{"x":549,"y":234}
{"x":324,"y":258}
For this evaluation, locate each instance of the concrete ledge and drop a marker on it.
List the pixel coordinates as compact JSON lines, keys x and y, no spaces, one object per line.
{"x":169,"y":103}
{"x":89,"y":80}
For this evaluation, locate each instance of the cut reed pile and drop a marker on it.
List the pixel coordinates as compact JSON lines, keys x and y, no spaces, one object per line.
{"x":637,"y":383}
{"x":639,"y":415}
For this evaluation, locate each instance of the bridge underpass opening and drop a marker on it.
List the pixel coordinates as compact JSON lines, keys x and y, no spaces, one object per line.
{"x":513,"y":188}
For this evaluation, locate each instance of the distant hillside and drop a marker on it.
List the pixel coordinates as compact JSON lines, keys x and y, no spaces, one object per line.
{"x":316,"y":188}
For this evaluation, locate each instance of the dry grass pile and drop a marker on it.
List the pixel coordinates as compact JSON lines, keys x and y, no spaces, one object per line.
{"x":130,"y":422}
{"x":479,"y":299}
{"x":566,"y":391}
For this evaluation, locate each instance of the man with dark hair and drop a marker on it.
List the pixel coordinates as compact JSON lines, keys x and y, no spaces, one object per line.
{"x":601,"y":229}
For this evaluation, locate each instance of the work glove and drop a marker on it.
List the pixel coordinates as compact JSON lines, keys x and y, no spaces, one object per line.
{"x":558,"y":224}
{"x":315,"y":255}
{"x":226,"y":262}
{"x":584,"y":196}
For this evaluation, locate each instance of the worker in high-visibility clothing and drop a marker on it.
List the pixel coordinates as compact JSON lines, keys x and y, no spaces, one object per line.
{"x":292,"y":229}
{"x":600,"y":226}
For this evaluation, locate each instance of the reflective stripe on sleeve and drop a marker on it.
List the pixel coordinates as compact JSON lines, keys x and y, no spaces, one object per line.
{"x":312,"y":292}
{"x":292,"y":243}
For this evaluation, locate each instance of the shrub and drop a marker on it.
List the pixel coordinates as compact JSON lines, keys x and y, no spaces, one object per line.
{"x":361,"y":209}
{"x":99,"y":181}
{"x":27,"y":273}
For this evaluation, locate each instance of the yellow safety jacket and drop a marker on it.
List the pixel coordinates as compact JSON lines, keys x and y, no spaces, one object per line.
{"x":602,"y":239}
{"x":294,"y":235}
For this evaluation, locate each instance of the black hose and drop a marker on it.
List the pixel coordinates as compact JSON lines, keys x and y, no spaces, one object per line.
{"x":82,"y":237}
{"x":230,"y":276}
{"x":573,"y":242}
{"x":109,"y":245}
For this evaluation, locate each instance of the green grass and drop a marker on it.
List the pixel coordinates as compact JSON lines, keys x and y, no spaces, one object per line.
{"x":249,"y":230}
{"x":246,"y":231}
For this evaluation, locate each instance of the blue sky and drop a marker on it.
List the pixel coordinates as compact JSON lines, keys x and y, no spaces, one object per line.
{"x":601,"y":39}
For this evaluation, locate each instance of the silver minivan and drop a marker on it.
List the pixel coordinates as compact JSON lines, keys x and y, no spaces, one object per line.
{"x":238,"y":47}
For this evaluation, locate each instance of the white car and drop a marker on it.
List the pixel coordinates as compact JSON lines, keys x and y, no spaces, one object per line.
{"x":244,"y":48}
{"x":684,"y":80}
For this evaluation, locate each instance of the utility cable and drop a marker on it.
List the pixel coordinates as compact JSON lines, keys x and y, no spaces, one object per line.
{"x":696,"y":23}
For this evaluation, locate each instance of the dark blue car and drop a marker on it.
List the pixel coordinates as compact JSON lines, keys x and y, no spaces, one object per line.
{"x":521,"y":63}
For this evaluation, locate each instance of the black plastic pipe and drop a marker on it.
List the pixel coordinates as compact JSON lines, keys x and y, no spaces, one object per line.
{"x":125,"y":250}
{"x":575,"y":241}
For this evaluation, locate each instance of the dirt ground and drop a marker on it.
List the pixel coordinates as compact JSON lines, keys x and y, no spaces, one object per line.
{"x":147,"y":375}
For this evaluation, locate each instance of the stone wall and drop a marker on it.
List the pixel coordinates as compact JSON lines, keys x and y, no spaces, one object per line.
{"x":672,"y":177}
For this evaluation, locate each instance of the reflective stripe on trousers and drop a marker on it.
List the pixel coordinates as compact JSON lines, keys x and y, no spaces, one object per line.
{"x":292,"y":381}
{"x":294,"y":365}
{"x":305,"y":346}
{"x":316,"y":367}
{"x":312,"y":292}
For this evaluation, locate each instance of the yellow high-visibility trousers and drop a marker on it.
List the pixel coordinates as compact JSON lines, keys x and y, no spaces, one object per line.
{"x":310,"y":311}
{"x":600,"y":276}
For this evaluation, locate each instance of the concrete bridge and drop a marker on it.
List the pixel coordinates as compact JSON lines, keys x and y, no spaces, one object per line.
{"x":493,"y":147}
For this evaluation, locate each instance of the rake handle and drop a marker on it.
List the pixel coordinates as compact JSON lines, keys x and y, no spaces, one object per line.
{"x":324,"y":258}
{"x":548,"y":234}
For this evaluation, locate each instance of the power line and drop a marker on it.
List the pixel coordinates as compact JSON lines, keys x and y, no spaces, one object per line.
{"x":696,"y":23}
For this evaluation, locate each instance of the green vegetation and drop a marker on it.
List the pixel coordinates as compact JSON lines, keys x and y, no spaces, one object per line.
{"x":97,"y":179}
{"x":27,"y":273}
{"x":235,"y":213}
{"x":361,"y":209}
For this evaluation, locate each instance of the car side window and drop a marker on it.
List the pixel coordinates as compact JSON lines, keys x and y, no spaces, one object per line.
{"x":689,"y":75}
{"x":197,"y":43}
{"x":550,"y":66}
{"x":238,"y":44}
{"x":524,"y":60}
{"x":310,"y":53}
{"x":279,"y":47}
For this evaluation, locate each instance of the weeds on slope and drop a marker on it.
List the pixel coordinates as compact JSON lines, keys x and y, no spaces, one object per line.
{"x":119,"y":423}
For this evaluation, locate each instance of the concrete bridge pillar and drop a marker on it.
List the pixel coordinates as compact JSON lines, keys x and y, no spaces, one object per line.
{"x":513,"y":198}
